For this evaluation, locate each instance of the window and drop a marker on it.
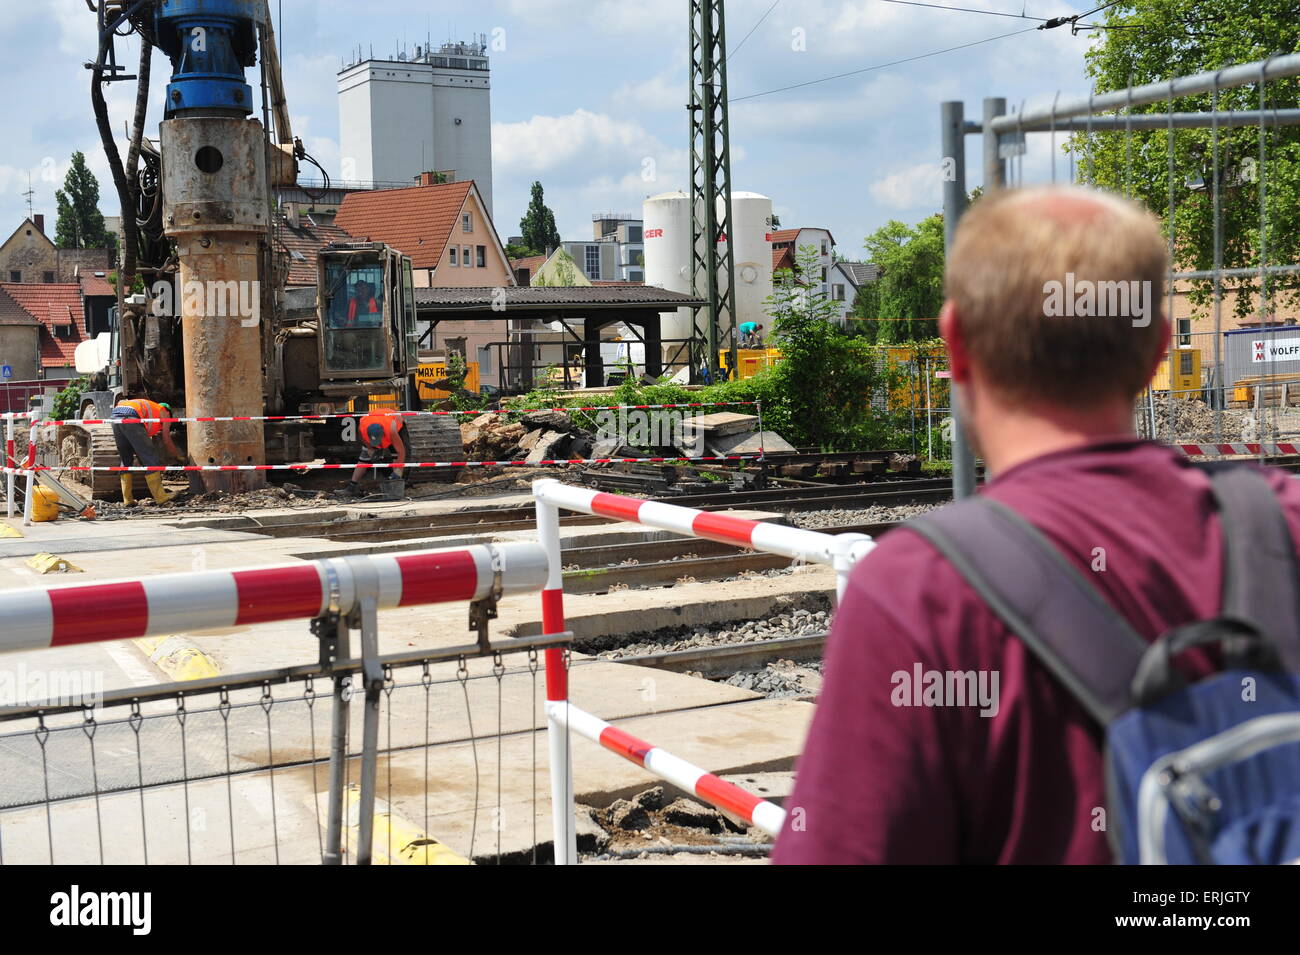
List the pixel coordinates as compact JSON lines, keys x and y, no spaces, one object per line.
{"x":47,"y":277}
{"x":592,"y":261}
{"x":823,"y":274}
{"x":636,"y":276}
{"x":15,"y":275}
{"x":837,"y":292}
{"x":826,"y":247}
{"x":467,"y":223}
{"x":634,"y":233}
{"x":480,"y":256}
{"x":464,"y":257}
{"x":453,"y":255}
{"x":1184,"y":331}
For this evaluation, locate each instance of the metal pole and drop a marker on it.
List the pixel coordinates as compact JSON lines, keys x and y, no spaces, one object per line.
{"x":10,"y":476}
{"x":31,"y":475}
{"x":563,"y":811}
{"x":953,"y":140}
{"x":995,"y":169}
{"x":372,"y":677}
{"x":338,"y":754}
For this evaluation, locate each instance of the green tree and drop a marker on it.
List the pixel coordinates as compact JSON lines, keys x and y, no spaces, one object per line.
{"x":823,"y":377}
{"x":903,"y":302}
{"x":80,"y":224}
{"x":538,"y":224}
{"x":520,"y":251}
{"x":1165,"y":38}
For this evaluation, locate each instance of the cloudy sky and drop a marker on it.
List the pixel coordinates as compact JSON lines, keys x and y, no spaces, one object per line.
{"x":584,"y":92}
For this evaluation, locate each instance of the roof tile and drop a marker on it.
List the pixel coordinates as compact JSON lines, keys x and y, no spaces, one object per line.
{"x":54,"y":305}
{"x":417,"y":220}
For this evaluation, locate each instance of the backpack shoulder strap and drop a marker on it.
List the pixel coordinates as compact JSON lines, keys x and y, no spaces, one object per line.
{"x":1260,"y":581}
{"x":1042,"y":598}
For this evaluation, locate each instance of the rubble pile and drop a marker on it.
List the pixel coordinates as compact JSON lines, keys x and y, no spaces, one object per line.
{"x":1194,"y":423}
{"x":533,"y":437}
{"x":552,"y":433}
{"x":650,"y":819}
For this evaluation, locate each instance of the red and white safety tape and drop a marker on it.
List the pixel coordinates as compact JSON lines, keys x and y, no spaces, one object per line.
{"x":767,"y":816}
{"x":389,"y":464}
{"x":361,"y":414}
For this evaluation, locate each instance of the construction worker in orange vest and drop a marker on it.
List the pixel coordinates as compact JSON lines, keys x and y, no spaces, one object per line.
{"x":382,"y":436}
{"x":135,"y":439}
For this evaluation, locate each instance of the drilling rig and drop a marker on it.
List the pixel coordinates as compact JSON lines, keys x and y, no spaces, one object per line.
{"x":212,"y":335}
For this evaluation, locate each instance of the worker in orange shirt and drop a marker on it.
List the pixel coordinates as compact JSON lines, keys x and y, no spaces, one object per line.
{"x":362,"y":303}
{"x":135,"y":439}
{"x":383,"y":436}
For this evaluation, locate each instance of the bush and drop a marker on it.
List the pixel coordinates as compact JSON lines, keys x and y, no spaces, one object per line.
{"x":67,"y":403}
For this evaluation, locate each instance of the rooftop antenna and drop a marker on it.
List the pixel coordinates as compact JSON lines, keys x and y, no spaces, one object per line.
{"x":29,"y":193}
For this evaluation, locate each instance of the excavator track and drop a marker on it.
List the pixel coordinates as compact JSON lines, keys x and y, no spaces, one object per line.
{"x":433,"y":438}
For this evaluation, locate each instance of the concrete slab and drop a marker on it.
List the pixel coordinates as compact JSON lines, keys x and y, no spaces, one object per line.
{"x":767,"y":442}
{"x":720,"y":423}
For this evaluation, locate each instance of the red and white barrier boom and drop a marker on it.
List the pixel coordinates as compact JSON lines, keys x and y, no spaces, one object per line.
{"x":840,"y":551}
{"x":203,"y":600}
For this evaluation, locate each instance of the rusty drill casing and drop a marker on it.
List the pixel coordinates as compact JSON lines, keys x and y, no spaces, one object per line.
{"x":215,"y":207}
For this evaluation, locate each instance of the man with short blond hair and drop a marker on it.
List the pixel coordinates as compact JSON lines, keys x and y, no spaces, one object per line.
{"x":939,"y":735}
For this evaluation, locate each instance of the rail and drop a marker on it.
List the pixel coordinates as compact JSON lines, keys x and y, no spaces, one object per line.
{"x":840,"y":551}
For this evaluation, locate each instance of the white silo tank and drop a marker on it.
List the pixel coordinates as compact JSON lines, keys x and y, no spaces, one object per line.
{"x":667,"y":240}
{"x":752,"y":252}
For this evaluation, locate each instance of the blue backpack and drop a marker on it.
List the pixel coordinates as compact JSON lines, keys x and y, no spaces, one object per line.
{"x":1200,"y":773}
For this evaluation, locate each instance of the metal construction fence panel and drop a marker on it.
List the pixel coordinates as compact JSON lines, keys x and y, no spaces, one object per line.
{"x":239,"y":771}
{"x":1233,"y":281}
{"x":356,"y":757}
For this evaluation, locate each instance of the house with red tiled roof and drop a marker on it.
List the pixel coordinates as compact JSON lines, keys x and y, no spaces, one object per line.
{"x":526,"y":267}
{"x":447,"y":232}
{"x":20,"y":341}
{"x":443,"y":227}
{"x":60,"y":310}
{"x":301,"y":234}
{"x":794,"y":240}
{"x":99,"y":297}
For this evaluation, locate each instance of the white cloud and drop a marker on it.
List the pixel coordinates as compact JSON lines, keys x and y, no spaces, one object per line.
{"x":909,"y":188}
{"x":582,"y":138}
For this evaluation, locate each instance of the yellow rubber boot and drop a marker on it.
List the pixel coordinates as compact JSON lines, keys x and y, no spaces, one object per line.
{"x":126,"y":479}
{"x":154,"y":480}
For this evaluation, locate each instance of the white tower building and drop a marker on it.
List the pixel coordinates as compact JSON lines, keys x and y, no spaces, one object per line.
{"x":428,"y":112}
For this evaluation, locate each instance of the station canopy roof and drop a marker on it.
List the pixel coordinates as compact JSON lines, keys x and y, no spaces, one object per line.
{"x":552,"y":299}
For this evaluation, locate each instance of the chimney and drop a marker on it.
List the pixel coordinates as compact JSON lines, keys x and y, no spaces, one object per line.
{"x":291,"y":214}
{"x":426,"y":179}
{"x":39,"y":221}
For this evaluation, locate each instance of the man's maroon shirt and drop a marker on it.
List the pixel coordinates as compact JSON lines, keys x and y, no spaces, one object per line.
{"x":880,"y":783}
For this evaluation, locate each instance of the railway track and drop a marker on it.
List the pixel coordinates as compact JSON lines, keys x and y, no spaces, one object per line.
{"x":492,"y":520}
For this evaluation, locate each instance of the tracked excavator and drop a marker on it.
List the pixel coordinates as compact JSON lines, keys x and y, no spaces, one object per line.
{"x":215,"y":332}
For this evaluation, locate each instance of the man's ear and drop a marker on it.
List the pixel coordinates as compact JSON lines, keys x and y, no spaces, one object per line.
{"x":958,"y":357}
{"x":1162,"y":350}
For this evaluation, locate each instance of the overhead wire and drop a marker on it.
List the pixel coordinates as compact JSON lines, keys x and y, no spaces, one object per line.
{"x":881,"y":66}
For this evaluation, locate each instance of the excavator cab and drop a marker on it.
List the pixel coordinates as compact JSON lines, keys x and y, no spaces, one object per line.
{"x":366,"y":309}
